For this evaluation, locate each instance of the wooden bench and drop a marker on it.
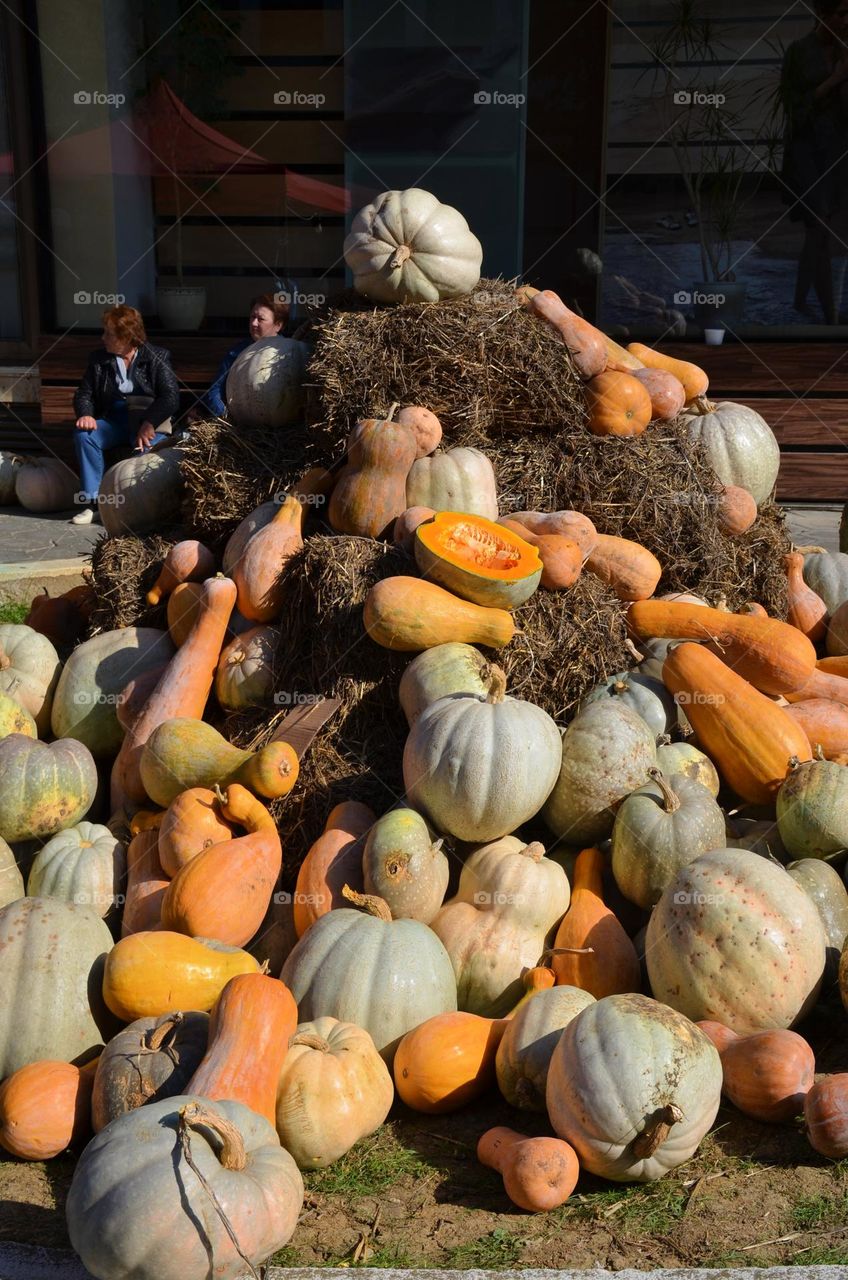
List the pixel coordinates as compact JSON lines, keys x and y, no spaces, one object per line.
{"x":801,"y":389}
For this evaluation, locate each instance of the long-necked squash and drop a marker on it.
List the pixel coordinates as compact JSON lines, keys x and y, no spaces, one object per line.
{"x":187,"y":752}
{"x":187,"y":561}
{"x":224,"y":892}
{"x":150,"y":974}
{"x":749,"y":738}
{"x":807,"y":611}
{"x":182,"y":690}
{"x":773,"y":656}
{"x":146,"y":883}
{"x":695,"y":382}
{"x":370,"y":492}
{"x":251,"y":1024}
{"x":825,"y":723}
{"x":334,"y":860}
{"x":477,"y":559}
{"x":592,"y":950}
{"x":586,"y":345}
{"x":631,"y":570}
{"x":619,"y":404}
{"x":257,"y":571}
{"x":822,"y":684}
{"x":407,"y":614}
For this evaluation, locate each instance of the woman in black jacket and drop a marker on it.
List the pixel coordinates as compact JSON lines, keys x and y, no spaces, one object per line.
{"x":127,"y":396}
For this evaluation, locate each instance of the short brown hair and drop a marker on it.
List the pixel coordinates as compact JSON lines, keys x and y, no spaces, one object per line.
{"x":126,"y":323}
{"x":279,"y":310}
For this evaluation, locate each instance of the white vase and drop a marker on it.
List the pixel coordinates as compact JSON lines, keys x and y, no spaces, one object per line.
{"x":181,"y":307}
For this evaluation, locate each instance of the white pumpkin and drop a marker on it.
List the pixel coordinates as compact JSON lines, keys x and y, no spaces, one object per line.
{"x":408,"y":247}
{"x":459,"y":479}
{"x":525,"y":1052}
{"x":480,"y":767}
{"x":29,"y":671}
{"x":9,"y":464}
{"x":11,"y":880}
{"x":141,"y":493}
{"x":634,"y":1087}
{"x":45,"y":485}
{"x":738,"y":443}
{"x":85,"y":864}
{"x":826,"y":572}
{"x":334,"y":1089}
{"x":245,"y":675}
{"x":265,"y":383}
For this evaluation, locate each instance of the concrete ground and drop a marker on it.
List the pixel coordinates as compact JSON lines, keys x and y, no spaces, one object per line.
{"x":25,"y":536}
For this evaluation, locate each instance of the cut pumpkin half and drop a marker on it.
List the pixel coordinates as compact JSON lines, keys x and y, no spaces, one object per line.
{"x":477,"y":559}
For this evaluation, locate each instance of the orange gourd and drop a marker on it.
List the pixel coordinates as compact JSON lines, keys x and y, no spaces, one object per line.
{"x":44,"y":1108}
{"x":370,"y":492}
{"x":562,"y":559}
{"x":63,"y":619}
{"x":150,"y":974}
{"x":834,"y":666}
{"x":191,"y":823}
{"x":826,"y":1116}
{"x":182,"y":609}
{"x":407,"y":614}
{"x":585,"y":343}
{"x":251,"y":1024}
{"x":822,"y":684}
{"x":619,"y":404}
{"x":182,"y":690}
{"x":538,"y":1173}
{"x":630,"y":569}
{"x":258,"y":570}
{"x":224,"y":892}
{"x":568,"y":524}
{"x":737,"y":510}
{"x":768,"y":1075}
{"x":693,"y":379}
{"x":334,"y":860}
{"x":807,"y":611}
{"x":720,"y":1035}
{"x":825,"y":723}
{"x":749,"y":738}
{"x":597,"y":955}
{"x":187,"y":561}
{"x":449,"y":1060}
{"x":666,"y":391}
{"x":424,"y":425}
{"x":146,"y":881}
{"x":771,"y":655}
{"x":403,"y":533}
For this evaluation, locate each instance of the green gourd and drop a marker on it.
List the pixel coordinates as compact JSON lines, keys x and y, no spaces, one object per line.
{"x":184,"y":752}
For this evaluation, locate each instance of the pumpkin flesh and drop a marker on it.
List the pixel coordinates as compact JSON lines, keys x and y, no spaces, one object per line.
{"x":477,"y":559}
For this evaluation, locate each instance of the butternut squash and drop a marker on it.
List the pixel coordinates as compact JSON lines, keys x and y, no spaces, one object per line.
{"x":693,"y":379}
{"x":257,"y":572}
{"x":187,"y":561}
{"x":407,"y":614}
{"x":370,"y":492}
{"x":596,"y":954}
{"x":586,"y":345}
{"x":334,"y":860}
{"x":631,"y":570}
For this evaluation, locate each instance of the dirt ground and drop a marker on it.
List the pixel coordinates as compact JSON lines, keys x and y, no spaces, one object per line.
{"x":413,"y":1195}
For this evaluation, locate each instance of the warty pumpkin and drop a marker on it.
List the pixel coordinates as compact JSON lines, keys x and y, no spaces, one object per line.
{"x":425,"y":426}
{"x":334,"y":1089}
{"x":771,"y":655}
{"x":619,"y":404}
{"x":591,"y":950}
{"x":191,"y":823}
{"x":224,"y":891}
{"x":148,"y":974}
{"x":405,"y":866}
{"x":562,"y":559}
{"x":826,"y":1116}
{"x":585,"y":343}
{"x":748,"y":737}
{"x":182,"y":690}
{"x":768,"y":1075}
{"x":187,"y":561}
{"x":692,"y":378}
{"x":333,"y":860}
{"x":174,"y":1230}
{"x":807,"y":611}
{"x":250,"y":1026}
{"x":44,"y":1108}
{"x":538,"y":1173}
{"x":151,"y":1059}
{"x":474,"y":558}
{"x":370,"y":492}
{"x":631,"y":570}
{"x":448,"y":1061}
{"x":185,"y":752}
{"x":407,"y":614}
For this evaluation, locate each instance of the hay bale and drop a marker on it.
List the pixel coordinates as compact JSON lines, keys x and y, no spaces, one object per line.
{"x":566,"y":642}
{"x":122,"y":571}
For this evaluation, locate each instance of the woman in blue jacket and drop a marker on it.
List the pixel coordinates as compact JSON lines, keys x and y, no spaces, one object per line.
{"x":267,"y":318}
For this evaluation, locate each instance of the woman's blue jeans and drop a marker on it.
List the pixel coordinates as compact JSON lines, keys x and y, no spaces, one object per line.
{"x":111,"y":433}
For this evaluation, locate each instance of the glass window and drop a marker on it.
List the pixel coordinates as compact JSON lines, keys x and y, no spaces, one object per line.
{"x":10,"y":297}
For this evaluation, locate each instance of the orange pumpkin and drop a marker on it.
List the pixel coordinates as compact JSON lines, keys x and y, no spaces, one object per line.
{"x":251,"y":1024}
{"x":538,"y":1173}
{"x":191,"y":823}
{"x":630,"y":569}
{"x":597,"y":955}
{"x":826,"y":1116}
{"x":737,"y":510}
{"x":424,"y":425}
{"x":334,"y":860}
{"x":619,"y":404}
{"x":768,"y":1075}
{"x":44,"y":1108}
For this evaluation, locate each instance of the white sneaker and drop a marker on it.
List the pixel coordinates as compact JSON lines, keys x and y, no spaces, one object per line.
{"x":84,"y":516}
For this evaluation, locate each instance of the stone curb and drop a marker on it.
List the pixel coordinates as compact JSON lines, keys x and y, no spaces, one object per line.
{"x":23,"y":579}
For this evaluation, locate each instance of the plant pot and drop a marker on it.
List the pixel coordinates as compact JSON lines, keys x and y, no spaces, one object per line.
{"x":181,"y":307}
{"x":711,"y":313}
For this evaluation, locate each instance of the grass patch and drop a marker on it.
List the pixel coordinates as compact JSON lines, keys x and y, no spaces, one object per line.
{"x":369,"y":1169}
{"x":736,"y":1258}
{"x":820,"y":1210}
{"x":822,"y":1256}
{"x":393,"y":1255}
{"x":13,"y":612}
{"x":496,"y":1251}
{"x":639,"y":1209}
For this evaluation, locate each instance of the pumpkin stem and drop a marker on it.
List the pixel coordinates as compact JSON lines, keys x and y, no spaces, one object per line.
{"x":818,"y":751}
{"x":701,"y":406}
{"x":656,"y":1131}
{"x":794,"y":763}
{"x":535,"y":850}
{"x":497,"y":685}
{"x":393,"y":409}
{"x":369,"y":902}
{"x":311,"y":1040}
{"x":401,"y":254}
{"x":220,"y":796}
{"x":664,"y":740}
{"x":631,"y":648}
{"x":231,"y":1153}
{"x":153,"y":1039}
{"x":568,"y":951}
{"x":671,"y":800}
